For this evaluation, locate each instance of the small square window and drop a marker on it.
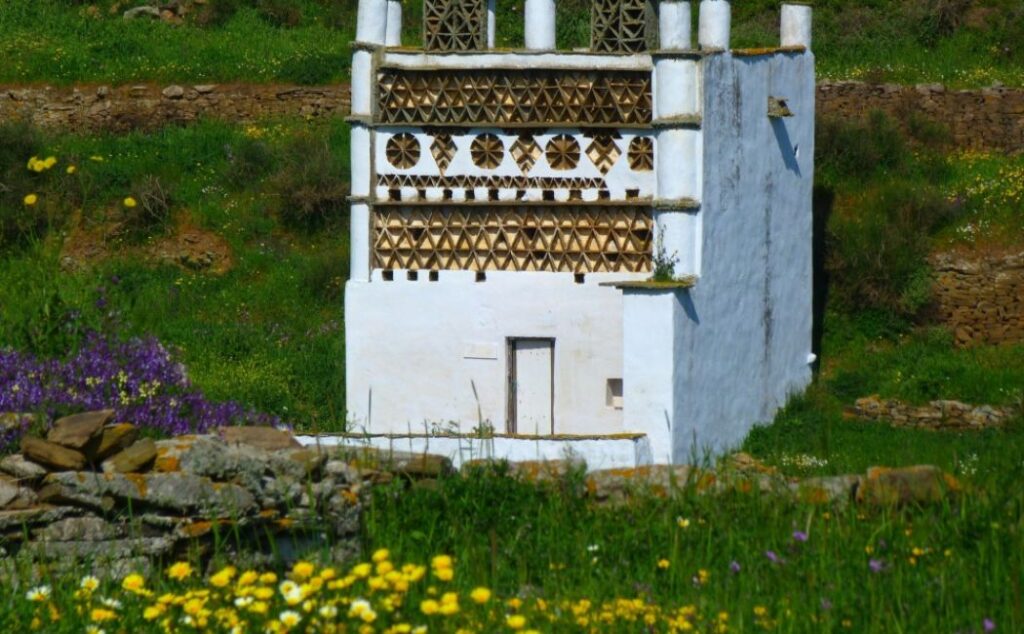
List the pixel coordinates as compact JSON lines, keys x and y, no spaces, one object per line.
{"x":613,"y":394}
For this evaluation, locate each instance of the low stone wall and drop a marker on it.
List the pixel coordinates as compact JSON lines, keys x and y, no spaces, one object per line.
{"x":981,"y":299}
{"x":937,"y":415}
{"x":988,"y":119}
{"x":148,"y":106}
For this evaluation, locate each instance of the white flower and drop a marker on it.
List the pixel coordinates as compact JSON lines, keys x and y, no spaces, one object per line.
{"x":243,"y":602}
{"x":39,"y":593}
{"x":329,"y":611}
{"x":89,"y":583}
{"x":112,"y":603}
{"x":289,"y":618}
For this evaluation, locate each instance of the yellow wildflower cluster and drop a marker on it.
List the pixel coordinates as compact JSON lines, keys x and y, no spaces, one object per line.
{"x":373,"y":597}
{"x":38,"y":165}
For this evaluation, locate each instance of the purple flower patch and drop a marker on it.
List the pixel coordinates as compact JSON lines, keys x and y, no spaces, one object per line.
{"x":138,"y":379}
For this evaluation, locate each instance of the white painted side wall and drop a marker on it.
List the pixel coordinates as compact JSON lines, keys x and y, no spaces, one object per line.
{"x":415,"y":60}
{"x":599,"y":453}
{"x":744,"y":342}
{"x":420,"y":353}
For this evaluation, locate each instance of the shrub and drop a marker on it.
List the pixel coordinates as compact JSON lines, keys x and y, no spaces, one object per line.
{"x":859,"y":150}
{"x":284,"y":13}
{"x":248,"y":160}
{"x":148,"y":210}
{"x":310,"y":185}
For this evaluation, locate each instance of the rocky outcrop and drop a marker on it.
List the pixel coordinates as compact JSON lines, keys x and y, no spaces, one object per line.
{"x":936,"y":415}
{"x":981,"y":298}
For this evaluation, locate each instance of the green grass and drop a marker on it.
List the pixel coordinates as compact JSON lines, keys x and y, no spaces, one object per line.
{"x":909,"y":41}
{"x":267,"y":333}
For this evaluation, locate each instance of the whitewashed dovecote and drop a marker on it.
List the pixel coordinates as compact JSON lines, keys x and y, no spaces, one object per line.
{"x":509,"y":208}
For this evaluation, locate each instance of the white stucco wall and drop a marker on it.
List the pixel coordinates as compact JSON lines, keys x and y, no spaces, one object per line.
{"x":744,"y":339}
{"x":422,"y":353}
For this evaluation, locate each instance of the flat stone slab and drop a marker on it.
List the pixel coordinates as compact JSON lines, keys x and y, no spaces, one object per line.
{"x":17,"y":466}
{"x":42,"y":514}
{"x":52,"y":455}
{"x":116,"y":438}
{"x":919,"y":484}
{"x":79,"y":430}
{"x":82,"y":529}
{"x":261,"y":437}
{"x":133,"y":459}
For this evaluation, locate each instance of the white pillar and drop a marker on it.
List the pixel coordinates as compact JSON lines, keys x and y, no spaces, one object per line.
{"x":359,"y":243}
{"x":372,"y":21}
{"x":393,"y":33}
{"x":540,"y":24}
{"x":362,"y":82}
{"x":796,"y":25}
{"x":674,"y":25}
{"x":714,"y":24}
{"x":492,"y":12}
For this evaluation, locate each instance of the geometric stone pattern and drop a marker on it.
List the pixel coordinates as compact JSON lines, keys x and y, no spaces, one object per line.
{"x":603,"y":152}
{"x":618,"y":26}
{"x":554,"y":238}
{"x":454,"y":25}
{"x":488,"y":151}
{"x":563,"y":153}
{"x":641,"y":154}
{"x":443,"y":149}
{"x":403,"y":151}
{"x":394,"y":181}
{"x":545,"y":97}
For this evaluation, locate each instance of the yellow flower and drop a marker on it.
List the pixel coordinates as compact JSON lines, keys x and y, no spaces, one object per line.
{"x":429,"y":606}
{"x":38,"y":594}
{"x":224,"y":577}
{"x":30,"y":200}
{"x":441,"y":562}
{"x":289,"y":618}
{"x":89,"y":583}
{"x":362,"y":570}
{"x":683,"y":522}
{"x":71,"y":169}
{"x":444,"y":574}
{"x":50,"y":161}
{"x":480,"y":595}
{"x":130,"y":202}
{"x":101,"y":614}
{"x":133,"y":583}
{"x":268,"y":578}
{"x":180,"y":571}
{"x":515,"y":621}
{"x":664,"y":564}
{"x":153,"y":612}
{"x":381,"y":555}
{"x":96,"y":158}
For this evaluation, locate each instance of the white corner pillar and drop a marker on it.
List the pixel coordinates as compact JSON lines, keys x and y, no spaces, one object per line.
{"x":393,"y":32}
{"x":372,"y":21}
{"x":649,"y":367}
{"x":678,"y":159}
{"x":796,"y":24}
{"x":492,"y":22}
{"x":675,"y":25}
{"x":362,"y":157}
{"x":714,"y":24}
{"x":539,"y":26}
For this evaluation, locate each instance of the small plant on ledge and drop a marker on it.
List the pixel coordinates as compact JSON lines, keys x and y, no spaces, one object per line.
{"x":664,"y":264}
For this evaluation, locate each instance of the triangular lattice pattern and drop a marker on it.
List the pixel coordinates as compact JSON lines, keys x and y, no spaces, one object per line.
{"x":618,"y":26}
{"x":577,"y":239}
{"x":486,"y":97}
{"x":454,"y":25}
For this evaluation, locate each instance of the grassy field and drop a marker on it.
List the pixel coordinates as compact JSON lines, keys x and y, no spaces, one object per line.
{"x":955,"y":42}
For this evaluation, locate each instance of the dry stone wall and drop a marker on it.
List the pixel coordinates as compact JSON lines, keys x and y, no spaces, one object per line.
{"x":148,"y":106}
{"x":981,"y":298}
{"x":936,"y":415}
{"x":990,"y":119}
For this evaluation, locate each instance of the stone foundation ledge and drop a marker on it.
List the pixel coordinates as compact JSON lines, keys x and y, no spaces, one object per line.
{"x":937,"y":415}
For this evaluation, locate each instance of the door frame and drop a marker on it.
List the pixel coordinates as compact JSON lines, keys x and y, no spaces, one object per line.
{"x":511,"y":424}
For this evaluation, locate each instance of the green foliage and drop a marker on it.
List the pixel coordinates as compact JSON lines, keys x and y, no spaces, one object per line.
{"x":310,"y":186}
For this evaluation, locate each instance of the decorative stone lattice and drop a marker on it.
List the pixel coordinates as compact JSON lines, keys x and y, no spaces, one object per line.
{"x":603,"y":152}
{"x":618,"y":26}
{"x":443,"y":150}
{"x":641,"y":154}
{"x":394,"y":181}
{"x":563,"y":152}
{"x":512,"y":96}
{"x":403,"y":151}
{"x":454,"y":25}
{"x":526,"y":152}
{"x":488,"y":151}
{"x":578,"y":239}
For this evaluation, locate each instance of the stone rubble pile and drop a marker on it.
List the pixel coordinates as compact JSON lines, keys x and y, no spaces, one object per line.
{"x":936,"y":415}
{"x":92,"y":489}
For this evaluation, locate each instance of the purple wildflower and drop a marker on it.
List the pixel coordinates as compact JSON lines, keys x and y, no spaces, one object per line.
{"x":988,"y":625}
{"x":734,"y":567}
{"x":799,"y":536}
{"x":876,"y":565}
{"x":772,"y":557}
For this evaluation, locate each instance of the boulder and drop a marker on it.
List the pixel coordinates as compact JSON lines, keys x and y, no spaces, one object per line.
{"x":920,"y":484}
{"x":173,"y":92}
{"x":408,"y":464}
{"x":116,"y":438}
{"x":52,"y":455}
{"x":152,"y":13}
{"x":42,"y":514}
{"x":9,"y":492}
{"x":260,"y":437}
{"x":827,"y":490}
{"x":80,"y":430}
{"x":659,"y":480}
{"x":139,"y":457}
{"x":88,"y":528}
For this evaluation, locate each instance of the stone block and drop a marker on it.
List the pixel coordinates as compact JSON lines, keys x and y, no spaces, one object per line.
{"x":137,"y":458}
{"x":80,"y":430}
{"x":116,"y":438}
{"x":921,"y":484}
{"x":17,"y":466}
{"x":266,"y":438}
{"x":51,"y":455}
